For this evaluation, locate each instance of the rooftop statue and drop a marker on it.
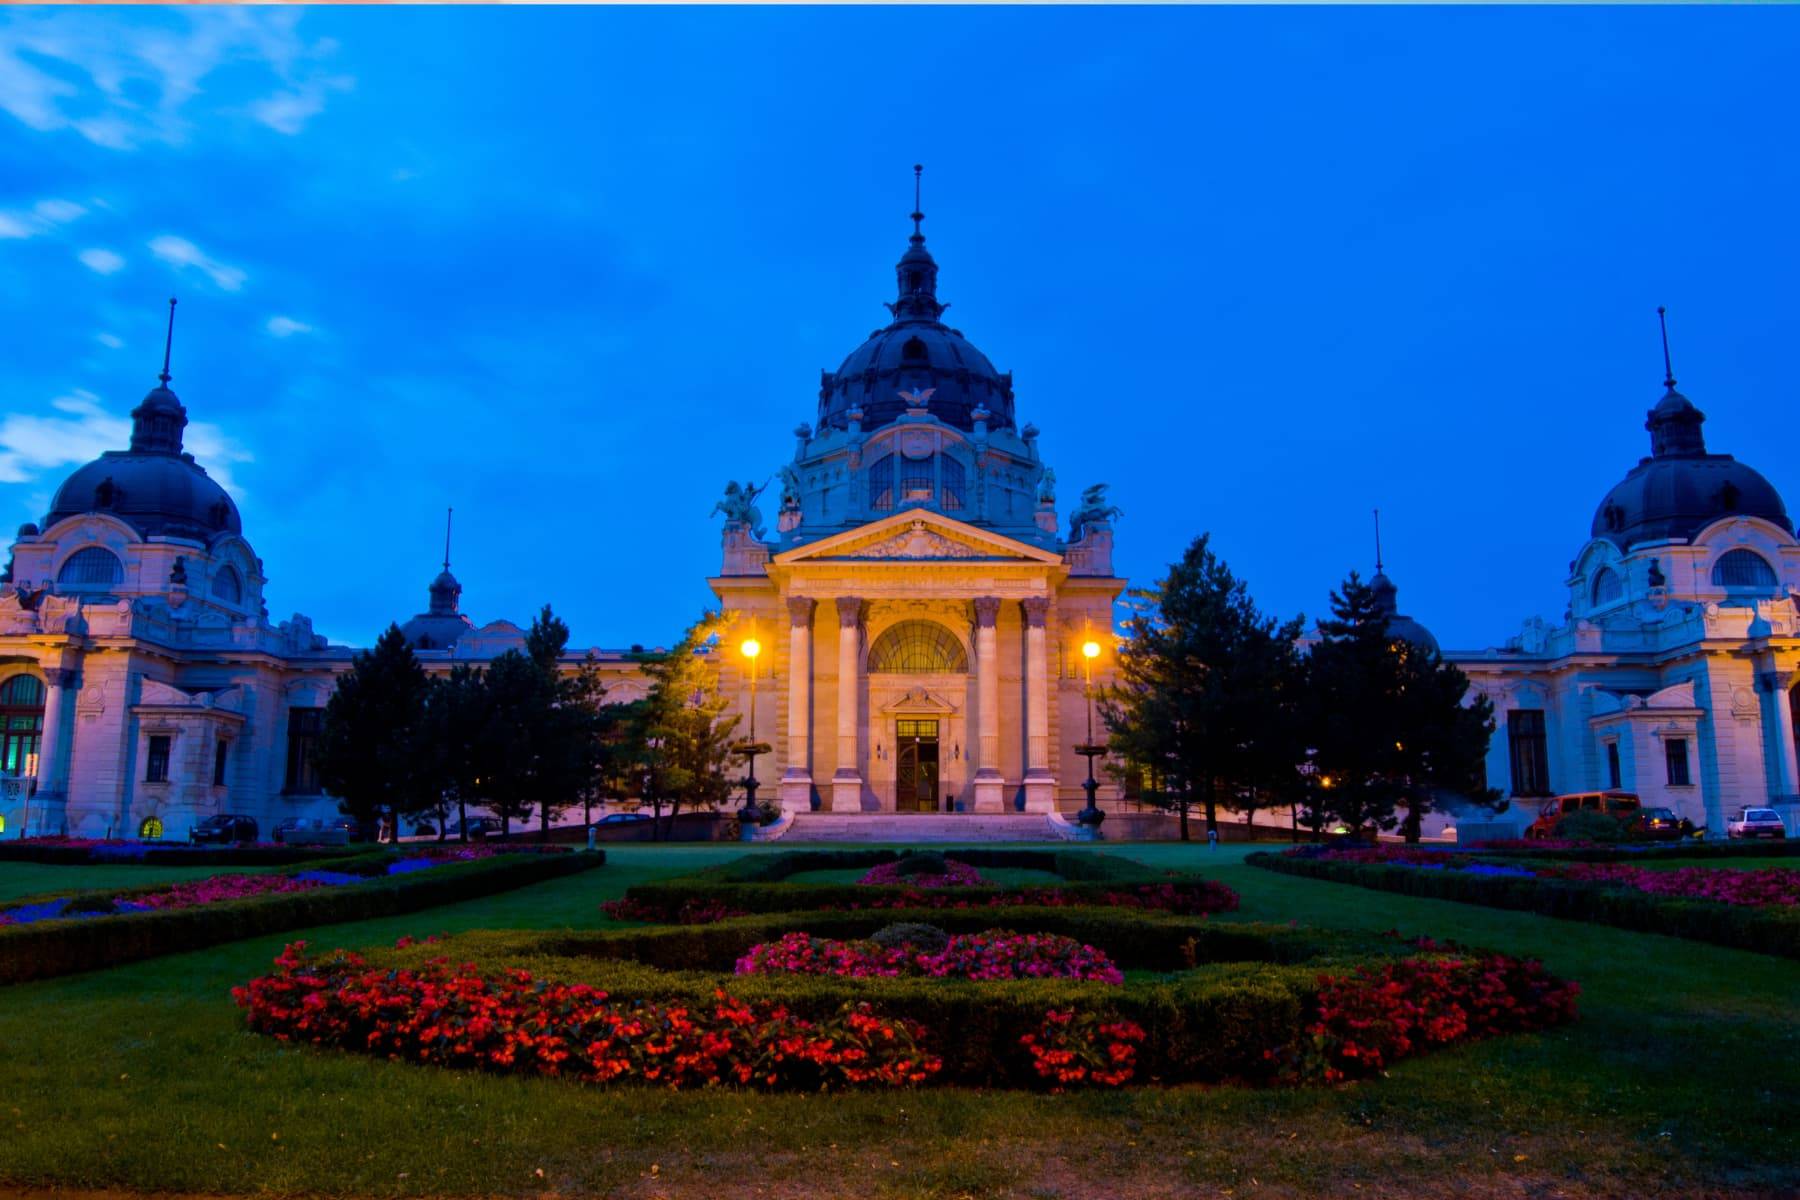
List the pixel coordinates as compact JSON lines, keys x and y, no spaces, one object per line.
{"x":1047,"y":487}
{"x":1093,"y":509}
{"x":738,"y":505}
{"x":790,"y":488}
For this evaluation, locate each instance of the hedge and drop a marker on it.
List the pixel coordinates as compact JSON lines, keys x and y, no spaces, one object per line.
{"x":1761,"y":929}
{"x":754,"y":883}
{"x":1785,"y":848}
{"x":60,"y":947}
{"x":175,"y":854}
{"x":1210,"y":1018}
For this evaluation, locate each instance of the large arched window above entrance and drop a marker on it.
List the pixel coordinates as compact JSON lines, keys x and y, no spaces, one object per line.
{"x":1743,"y":569}
{"x":94,"y":567}
{"x":917,"y":648}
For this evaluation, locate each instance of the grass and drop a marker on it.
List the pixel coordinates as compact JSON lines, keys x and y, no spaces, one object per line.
{"x":1000,"y":876}
{"x":1717,"y":864}
{"x":1680,"y":1079}
{"x":20,"y":879}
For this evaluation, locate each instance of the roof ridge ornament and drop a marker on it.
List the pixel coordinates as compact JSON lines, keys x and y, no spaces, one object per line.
{"x":918,"y":213}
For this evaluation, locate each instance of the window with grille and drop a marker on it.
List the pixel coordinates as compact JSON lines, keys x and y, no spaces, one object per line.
{"x":1675,"y":751}
{"x":156,"y":759}
{"x":21,"y":724}
{"x":954,"y":483}
{"x":881,"y":484}
{"x":228,"y":586}
{"x":1607,"y":587}
{"x":93,"y":567}
{"x":917,"y":648}
{"x":916,"y":481}
{"x":304,"y":725}
{"x":1530,"y":752}
{"x":1743,"y":569}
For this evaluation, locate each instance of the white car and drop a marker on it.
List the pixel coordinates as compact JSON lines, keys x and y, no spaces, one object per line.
{"x":1756,"y":822}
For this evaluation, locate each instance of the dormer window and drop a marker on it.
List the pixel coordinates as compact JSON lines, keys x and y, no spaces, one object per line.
{"x":228,"y":585}
{"x":914,"y":351}
{"x":91,"y":569}
{"x":1608,"y":588}
{"x":1743,"y":569}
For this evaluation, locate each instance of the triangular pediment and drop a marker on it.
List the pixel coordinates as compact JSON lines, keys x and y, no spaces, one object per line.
{"x":918,"y":535}
{"x":918,"y":700}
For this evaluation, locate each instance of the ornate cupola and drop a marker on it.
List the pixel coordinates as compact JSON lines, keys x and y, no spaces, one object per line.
{"x":442,"y":624}
{"x":156,"y":424}
{"x":916,"y":272}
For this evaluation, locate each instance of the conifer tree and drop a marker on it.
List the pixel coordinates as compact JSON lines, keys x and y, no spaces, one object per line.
{"x":368,"y":749}
{"x":685,"y":737}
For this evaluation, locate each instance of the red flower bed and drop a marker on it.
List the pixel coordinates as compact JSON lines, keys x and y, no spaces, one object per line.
{"x":1083,"y":1047}
{"x":956,"y":874}
{"x":1769,"y":885}
{"x":509,"y":1021}
{"x":1188,"y":899}
{"x":217,"y":888}
{"x":994,"y":955}
{"x":1363,"y":1022}
{"x":691,"y":912}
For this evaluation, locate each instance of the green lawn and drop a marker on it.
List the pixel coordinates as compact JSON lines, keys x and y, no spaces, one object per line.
{"x":1682,"y":1076}
{"x":1002,"y":876}
{"x":28,"y":879}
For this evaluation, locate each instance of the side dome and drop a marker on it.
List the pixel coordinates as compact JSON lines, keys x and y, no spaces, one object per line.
{"x":1680,"y":489}
{"x":1400,"y":627}
{"x":155,"y":487}
{"x":442,"y":624}
{"x":919,"y":354}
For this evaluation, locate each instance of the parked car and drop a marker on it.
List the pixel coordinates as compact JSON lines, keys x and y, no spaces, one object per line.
{"x":622,"y":818}
{"x":312,"y":831}
{"x":478,"y":828}
{"x":224,"y":829}
{"x":1756,"y":822}
{"x":1621,"y":806}
{"x":1658,"y":825}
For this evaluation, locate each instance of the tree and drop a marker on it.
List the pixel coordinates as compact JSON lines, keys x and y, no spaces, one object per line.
{"x":1203,"y":692}
{"x":455,"y":721}
{"x":1390,"y":728}
{"x":367,"y":754}
{"x":685,"y":738}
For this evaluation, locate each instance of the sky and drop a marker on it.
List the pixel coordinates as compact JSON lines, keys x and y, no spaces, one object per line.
{"x":569,"y":270}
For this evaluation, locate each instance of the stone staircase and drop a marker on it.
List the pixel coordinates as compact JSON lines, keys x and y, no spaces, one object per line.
{"x":920,"y":827}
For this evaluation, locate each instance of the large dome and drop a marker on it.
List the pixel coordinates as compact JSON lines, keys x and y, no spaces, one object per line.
{"x":916,"y":353}
{"x":154,"y":487}
{"x":1681,"y":489}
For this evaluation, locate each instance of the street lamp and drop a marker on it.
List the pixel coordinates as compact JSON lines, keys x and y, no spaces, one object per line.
{"x":748,"y":815}
{"x":1091,"y":816}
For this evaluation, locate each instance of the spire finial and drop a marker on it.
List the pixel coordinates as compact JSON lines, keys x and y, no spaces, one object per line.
{"x":917,"y":215}
{"x":168,"y":343}
{"x":448,"y":513}
{"x":1668,"y":371}
{"x":1378,"y":541}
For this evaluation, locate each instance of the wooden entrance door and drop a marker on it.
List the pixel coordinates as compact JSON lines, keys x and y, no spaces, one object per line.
{"x":915,"y":766}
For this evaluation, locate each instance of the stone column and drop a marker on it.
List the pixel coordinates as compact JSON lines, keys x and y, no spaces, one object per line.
{"x":1040,"y":778}
{"x":1785,"y":782}
{"x":990,"y":789}
{"x":49,"y":807}
{"x":846,"y":781}
{"x":796,"y":781}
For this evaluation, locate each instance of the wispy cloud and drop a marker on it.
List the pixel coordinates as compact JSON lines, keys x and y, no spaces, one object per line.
{"x":180,"y":253}
{"x":101,"y":261}
{"x":111,"y":341}
{"x":121,"y":83}
{"x":44,"y":217}
{"x":282,"y":327}
{"x":80,"y":429}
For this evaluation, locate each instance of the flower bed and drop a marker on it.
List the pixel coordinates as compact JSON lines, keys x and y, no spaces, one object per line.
{"x":895,"y":874}
{"x":992,"y":955}
{"x":1347,"y":1007}
{"x":1704,"y":904}
{"x":85,"y":930}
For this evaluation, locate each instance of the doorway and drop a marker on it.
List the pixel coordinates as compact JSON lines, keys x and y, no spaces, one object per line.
{"x":915,"y":766}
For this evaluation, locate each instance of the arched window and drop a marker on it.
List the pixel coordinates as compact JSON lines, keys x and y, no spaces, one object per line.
{"x":228,"y":585}
{"x":916,"y":482}
{"x":93,"y":567}
{"x":914,"y":350}
{"x":953,"y":483}
{"x":151,"y":829}
{"x":881,"y":484}
{"x":917,"y":648}
{"x":1607,"y":587}
{"x":21,"y":724}
{"x":1743,"y":569}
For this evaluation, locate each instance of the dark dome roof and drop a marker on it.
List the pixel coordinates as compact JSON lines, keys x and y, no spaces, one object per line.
{"x":1681,"y":489}
{"x":154,"y":487}
{"x":916,"y":353}
{"x":442,"y":625}
{"x":1402,"y":627}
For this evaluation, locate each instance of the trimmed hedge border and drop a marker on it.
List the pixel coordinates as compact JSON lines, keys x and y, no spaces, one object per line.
{"x":755,"y":883}
{"x":1740,"y":927}
{"x":61,"y":947}
{"x":1785,"y":848}
{"x":178,"y":854}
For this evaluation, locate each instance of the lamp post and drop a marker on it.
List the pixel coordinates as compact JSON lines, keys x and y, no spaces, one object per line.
{"x":1091,"y":816}
{"x":748,"y":815}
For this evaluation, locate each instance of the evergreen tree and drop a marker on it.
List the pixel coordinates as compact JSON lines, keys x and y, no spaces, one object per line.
{"x":456,"y":717}
{"x":1204,"y":690}
{"x":1390,"y":731}
{"x":368,"y":750}
{"x":685,"y":737}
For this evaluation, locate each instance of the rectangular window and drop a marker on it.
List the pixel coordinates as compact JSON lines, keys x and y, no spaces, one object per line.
{"x":1612,"y":766}
{"x":156,"y":763}
{"x":1675,"y":750}
{"x":303,"y":738}
{"x":1530,"y":752}
{"x":219,"y":752}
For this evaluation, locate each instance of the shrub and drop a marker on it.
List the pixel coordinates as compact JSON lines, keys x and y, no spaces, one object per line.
{"x":911,"y":935}
{"x":1581,"y":826}
{"x":990,"y":955}
{"x":923,"y":870}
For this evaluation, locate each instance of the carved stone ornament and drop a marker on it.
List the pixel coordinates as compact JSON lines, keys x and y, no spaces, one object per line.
{"x":1035,"y":609}
{"x":800,"y":610}
{"x":917,"y":542}
{"x":850,"y":610}
{"x":987,"y":611}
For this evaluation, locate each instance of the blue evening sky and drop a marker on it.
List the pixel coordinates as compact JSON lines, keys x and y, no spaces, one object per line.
{"x":571,"y":269}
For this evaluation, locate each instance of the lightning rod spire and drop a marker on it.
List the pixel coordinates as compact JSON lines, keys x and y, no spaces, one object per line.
{"x":168,"y":343}
{"x":1668,"y":370}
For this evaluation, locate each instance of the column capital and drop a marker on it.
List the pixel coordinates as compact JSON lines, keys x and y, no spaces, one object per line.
{"x":61,"y":677}
{"x":800,"y":609}
{"x":987,"y":611}
{"x":850,"y":610}
{"x":1035,"y":608}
